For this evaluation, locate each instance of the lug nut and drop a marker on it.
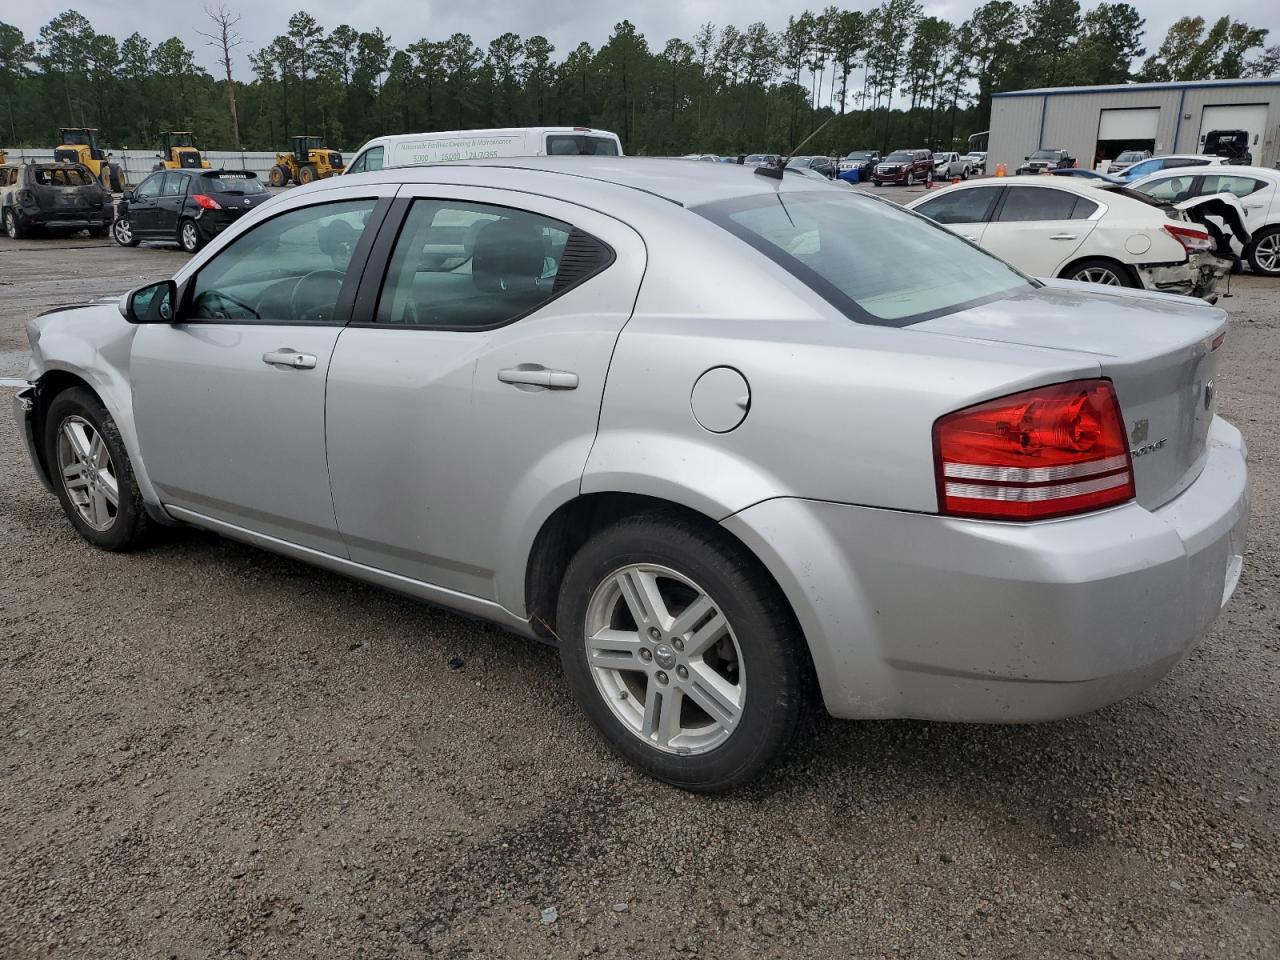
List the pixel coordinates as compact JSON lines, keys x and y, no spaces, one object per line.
{"x":662,"y":677}
{"x":678,"y":643}
{"x":655,"y":633}
{"x":646,"y":654}
{"x":682,"y":672}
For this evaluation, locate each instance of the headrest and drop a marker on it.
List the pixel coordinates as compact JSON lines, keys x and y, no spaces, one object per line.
{"x":509,"y":255}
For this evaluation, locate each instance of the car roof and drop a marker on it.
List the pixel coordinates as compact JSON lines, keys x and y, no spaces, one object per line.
{"x":686,"y":184}
{"x":1076,"y":184}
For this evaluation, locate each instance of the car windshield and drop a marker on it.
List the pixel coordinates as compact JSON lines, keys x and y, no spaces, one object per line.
{"x":1130,"y":156}
{"x":867,"y":257}
{"x":1045,"y":155}
{"x":241,"y":183}
{"x":800,"y":161}
{"x":899,"y":156}
{"x":860,"y":155}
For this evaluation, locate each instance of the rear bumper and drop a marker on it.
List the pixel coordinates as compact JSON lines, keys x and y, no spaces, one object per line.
{"x":1198,"y":276}
{"x":916,"y":615}
{"x":69,"y":220}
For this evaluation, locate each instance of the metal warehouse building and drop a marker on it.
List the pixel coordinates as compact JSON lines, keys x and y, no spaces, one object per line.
{"x":1097,"y":123}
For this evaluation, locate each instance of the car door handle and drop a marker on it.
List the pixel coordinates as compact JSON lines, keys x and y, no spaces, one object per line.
{"x":288,"y":357}
{"x":539,"y":376}
{"x":1063,"y":236}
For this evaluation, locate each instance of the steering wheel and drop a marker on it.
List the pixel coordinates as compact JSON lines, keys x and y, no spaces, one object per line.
{"x":326,"y":285}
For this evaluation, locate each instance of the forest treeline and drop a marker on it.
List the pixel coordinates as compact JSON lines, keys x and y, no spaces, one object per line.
{"x":889,"y":76}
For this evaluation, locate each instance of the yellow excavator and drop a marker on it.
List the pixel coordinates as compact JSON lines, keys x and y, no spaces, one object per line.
{"x":80,"y":145}
{"x":309,"y":160}
{"x":180,"y":151}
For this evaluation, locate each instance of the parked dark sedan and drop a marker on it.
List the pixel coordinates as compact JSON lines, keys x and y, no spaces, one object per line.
{"x":1043,"y":160}
{"x":864,"y":161}
{"x":187,"y":207}
{"x":823,"y":165}
{"x":52,"y":196}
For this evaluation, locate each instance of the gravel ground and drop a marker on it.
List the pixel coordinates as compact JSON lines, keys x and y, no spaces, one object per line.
{"x":208,"y":751}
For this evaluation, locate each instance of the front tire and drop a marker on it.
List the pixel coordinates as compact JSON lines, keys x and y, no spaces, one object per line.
{"x":1264,"y":252}
{"x":1107,"y":273}
{"x":307,"y":174}
{"x":91,"y":472}
{"x":278,"y":176}
{"x":682,"y":652}
{"x":122,"y":232}
{"x":189,"y":236}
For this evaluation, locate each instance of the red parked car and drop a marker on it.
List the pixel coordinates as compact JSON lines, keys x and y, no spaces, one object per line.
{"x":904,"y":167}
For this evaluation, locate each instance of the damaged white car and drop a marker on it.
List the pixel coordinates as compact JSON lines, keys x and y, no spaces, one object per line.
{"x":1099,"y":233}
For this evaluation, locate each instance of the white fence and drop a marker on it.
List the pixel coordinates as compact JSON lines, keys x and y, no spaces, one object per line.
{"x":138,"y":163}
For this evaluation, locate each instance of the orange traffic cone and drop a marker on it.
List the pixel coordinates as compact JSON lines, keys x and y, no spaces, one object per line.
{"x":1000,"y":170}
{"x":954,"y":181}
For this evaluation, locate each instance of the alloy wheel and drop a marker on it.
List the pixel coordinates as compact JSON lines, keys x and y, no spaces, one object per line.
{"x":10,"y":225}
{"x":1102,"y":275}
{"x":665,"y":659}
{"x":123,"y":231}
{"x":190,"y":238}
{"x":1267,"y":252}
{"x":88,"y":474}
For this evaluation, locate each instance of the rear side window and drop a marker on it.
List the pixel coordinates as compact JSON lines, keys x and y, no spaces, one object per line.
{"x":868,"y":258}
{"x":971,"y":205}
{"x":1230,"y":183}
{"x":1038,"y":203}
{"x":559,"y":145}
{"x":1169,"y":189}
{"x":475,"y":266}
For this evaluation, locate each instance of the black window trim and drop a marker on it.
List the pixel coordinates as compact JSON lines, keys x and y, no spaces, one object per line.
{"x":375,"y":272}
{"x":346,"y":297}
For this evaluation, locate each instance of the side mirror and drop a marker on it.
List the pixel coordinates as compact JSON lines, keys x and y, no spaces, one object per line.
{"x":1026,"y":158}
{"x":127,"y":195}
{"x":153,"y":303}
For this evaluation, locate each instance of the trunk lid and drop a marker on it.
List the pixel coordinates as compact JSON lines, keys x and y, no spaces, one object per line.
{"x":1157,"y":349}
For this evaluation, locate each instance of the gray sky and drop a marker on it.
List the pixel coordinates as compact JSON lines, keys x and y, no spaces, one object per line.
{"x":564,"y":22}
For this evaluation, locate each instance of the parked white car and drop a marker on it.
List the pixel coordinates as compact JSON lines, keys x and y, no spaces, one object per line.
{"x":411,"y":149}
{"x":977,"y":160}
{"x":948,"y":165}
{"x":1061,"y":227}
{"x":1257,"y":189}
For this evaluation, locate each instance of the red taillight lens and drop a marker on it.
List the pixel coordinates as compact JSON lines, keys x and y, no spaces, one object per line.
{"x":206,"y":202}
{"x":1194,"y":240}
{"x":1042,"y":453}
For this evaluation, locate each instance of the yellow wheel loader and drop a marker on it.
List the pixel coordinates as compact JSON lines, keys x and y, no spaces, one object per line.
{"x":180,"y":152}
{"x":309,"y":160}
{"x":80,"y":145}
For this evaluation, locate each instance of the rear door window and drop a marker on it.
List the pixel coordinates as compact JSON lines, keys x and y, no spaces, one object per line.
{"x":1170,"y":189}
{"x":970,"y":205}
{"x":1229,"y":183}
{"x":1036,"y":203}
{"x":175,"y":185}
{"x":473,"y":266}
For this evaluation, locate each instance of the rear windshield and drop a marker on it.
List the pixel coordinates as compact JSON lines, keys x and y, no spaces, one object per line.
{"x":573,"y":145}
{"x":61,"y":176}
{"x":869,"y":258}
{"x":236,"y":183}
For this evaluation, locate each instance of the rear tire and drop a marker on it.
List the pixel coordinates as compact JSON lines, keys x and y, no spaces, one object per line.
{"x":1106,"y":273}
{"x":13,"y":226}
{"x":189,"y":235}
{"x":1264,"y":252}
{"x":729,"y":607}
{"x":89,"y":467}
{"x":278,"y":176}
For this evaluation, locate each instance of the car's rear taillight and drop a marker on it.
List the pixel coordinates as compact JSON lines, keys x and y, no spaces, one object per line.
{"x":1042,"y":453}
{"x":1192,"y":238}
{"x":206,"y":202}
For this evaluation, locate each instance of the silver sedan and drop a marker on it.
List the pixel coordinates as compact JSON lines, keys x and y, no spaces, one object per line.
{"x":733,"y":443}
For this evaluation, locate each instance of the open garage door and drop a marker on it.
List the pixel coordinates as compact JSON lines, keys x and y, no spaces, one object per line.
{"x":1127,"y":129}
{"x":1228,"y":121}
